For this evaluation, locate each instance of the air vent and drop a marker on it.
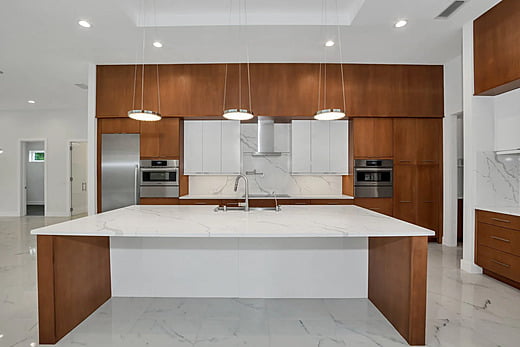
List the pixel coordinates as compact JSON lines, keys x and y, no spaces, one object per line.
{"x":81,"y":85}
{"x":451,"y":9}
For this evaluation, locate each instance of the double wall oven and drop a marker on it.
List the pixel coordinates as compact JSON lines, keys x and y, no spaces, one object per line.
{"x":159,"y":179}
{"x":373,"y":178}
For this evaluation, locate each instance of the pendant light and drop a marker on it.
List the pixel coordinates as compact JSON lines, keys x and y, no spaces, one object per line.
{"x":142,"y":114}
{"x":239,"y":113}
{"x":330,"y":113}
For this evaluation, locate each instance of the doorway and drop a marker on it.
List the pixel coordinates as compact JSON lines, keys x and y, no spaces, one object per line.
{"x":78,"y":178}
{"x":33,"y":178}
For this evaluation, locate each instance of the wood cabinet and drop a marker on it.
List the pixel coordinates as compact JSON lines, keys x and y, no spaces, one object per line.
{"x":418,"y":172}
{"x":380,"y":205}
{"x":118,"y":126}
{"x":159,"y":201}
{"x":373,"y":137}
{"x":286,"y":89}
{"x":319,"y":147}
{"x":496,"y":38}
{"x":497,"y":246}
{"x":211,"y":147}
{"x":160,"y":139}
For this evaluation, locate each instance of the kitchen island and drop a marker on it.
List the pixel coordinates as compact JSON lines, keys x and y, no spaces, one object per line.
{"x":193,"y":251}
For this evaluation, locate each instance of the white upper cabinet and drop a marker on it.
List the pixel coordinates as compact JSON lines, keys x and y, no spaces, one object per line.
{"x":211,"y":147}
{"x":319,"y":147}
{"x":507,"y":121}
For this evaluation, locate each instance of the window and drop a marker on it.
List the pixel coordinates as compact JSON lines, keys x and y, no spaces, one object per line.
{"x":36,"y":156}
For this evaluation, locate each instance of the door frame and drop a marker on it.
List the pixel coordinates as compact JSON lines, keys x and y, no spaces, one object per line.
{"x":22,"y":175}
{"x":69,"y":172}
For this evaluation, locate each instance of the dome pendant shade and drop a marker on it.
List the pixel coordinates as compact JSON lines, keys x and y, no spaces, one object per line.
{"x":237,"y":114}
{"x":329,"y":114}
{"x":144,"y":115}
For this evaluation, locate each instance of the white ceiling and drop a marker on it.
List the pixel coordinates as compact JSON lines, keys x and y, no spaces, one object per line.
{"x":43,"y":52}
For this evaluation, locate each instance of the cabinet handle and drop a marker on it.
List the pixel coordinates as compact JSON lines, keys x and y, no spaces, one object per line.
{"x":405,"y":202}
{"x":500,"y":263}
{"x":500,"y":239}
{"x":405,"y":161}
{"x":501,"y":220}
{"x":427,"y":161}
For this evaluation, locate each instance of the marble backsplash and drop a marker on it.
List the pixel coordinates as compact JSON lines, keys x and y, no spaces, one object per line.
{"x":267,"y":174}
{"x":498,"y":179}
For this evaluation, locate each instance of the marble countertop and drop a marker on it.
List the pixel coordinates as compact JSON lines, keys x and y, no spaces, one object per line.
{"x":511,"y":210}
{"x":233,"y":197}
{"x":202,"y":221}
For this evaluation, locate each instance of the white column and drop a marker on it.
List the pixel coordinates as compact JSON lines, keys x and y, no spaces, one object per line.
{"x":92,"y":141}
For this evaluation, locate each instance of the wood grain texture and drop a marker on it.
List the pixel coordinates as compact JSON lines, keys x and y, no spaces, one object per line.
{"x":373,"y":138}
{"x":380,"y":205}
{"x":159,"y":201}
{"x":397,"y":283}
{"x":496,"y":45}
{"x":284,"y":90}
{"x":74,"y":280}
{"x":118,"y":126}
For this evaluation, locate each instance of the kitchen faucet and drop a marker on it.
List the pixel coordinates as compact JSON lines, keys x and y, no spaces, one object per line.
{"x":246,"y":182}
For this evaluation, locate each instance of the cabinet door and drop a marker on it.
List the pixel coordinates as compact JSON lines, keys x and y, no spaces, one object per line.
{"x":230,"y":147}
{"x":363,"y":133}
{"x":380,"y":205}
{"x":211,"y":147}
{"x":405,"y":203}
{"x":320,"y":147}
{"x":192,"y":147}
{"x":169,"y":138}
{"x":428,"y":204}
{"x":301,"y":146}
{"x":338,"y":131}
{"x":118,"y":126}
{"x":150,"y":139}
{"x":405,"y":144}
{"x":383,"y":137}
{"x":429,"y":141}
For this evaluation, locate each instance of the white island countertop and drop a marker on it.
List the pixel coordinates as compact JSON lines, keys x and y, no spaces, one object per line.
{"x":202,"y":221}
{"x":511,"y":210}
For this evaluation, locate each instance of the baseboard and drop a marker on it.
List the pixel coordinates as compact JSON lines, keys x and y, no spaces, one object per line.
{"x":470,"y":267}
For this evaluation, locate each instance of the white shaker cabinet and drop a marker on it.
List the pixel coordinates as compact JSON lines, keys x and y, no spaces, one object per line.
{"x":211,"y":147}
{"x":319,"y":147}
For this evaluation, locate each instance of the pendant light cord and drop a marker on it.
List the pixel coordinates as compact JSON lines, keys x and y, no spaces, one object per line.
{"x":157,"y":65}
{"x":247,"y":57}
{"x":226,"y":68}
{"x":341,"y":60}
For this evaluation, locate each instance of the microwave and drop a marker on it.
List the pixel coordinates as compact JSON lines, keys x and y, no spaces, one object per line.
{"x":159,"y":172}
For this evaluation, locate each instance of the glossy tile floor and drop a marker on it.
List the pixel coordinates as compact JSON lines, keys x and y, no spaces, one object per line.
{"x":463,"y":310}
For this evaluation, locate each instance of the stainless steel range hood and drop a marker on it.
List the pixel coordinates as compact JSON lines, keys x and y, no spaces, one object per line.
{"x":265,"y":146}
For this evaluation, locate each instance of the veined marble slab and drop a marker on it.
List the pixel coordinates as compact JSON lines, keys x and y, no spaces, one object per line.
{"x":241,"y":196}
{"x":202,"y":221}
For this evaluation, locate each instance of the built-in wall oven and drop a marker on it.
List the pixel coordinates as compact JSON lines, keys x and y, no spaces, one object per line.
{"x":159,"y":179}
{"x":373,"y":178}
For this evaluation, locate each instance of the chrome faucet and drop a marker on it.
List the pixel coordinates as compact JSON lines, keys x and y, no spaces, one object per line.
{"x":245,"y":204}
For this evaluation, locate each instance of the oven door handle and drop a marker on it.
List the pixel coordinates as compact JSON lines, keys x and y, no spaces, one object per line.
{"x":159,"y":169}
{"x":375,"y":169}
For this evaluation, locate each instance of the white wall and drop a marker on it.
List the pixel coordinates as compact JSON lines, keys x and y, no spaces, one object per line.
{"x":35,"y":175}
{"x":57,"y":127}
{"x":452,"y":107}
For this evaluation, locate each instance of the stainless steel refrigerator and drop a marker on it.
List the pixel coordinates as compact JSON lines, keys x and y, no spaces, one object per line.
{"x":119,"y":171}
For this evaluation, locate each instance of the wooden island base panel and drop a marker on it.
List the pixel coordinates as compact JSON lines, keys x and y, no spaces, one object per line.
{"x":74,"y":280}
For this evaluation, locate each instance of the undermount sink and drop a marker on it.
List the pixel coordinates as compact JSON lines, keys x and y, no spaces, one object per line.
{"x":242,"y":208}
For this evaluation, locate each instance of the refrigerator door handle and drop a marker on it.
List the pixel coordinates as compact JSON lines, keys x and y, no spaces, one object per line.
{"x":136,"y":177}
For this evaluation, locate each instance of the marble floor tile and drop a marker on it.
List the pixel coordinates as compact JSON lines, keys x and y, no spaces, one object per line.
{"x":464,"y":310}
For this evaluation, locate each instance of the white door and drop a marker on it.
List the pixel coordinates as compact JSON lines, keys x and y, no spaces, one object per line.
{"x":78,"y":178}
{"x":320,"y":147}
{"x":301,"y":146}
{"x":339,"y":147}
{"x":212,"y":147}
{"x":193,"y":147}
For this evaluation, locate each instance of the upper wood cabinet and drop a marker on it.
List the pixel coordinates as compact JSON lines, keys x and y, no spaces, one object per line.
{"x":373,"y":137}
{"x":160,"y":139}
{"x":417,"y":141}
{"x":496,"y":45}
{"x":118,"y":126}
{"x":291,"y":90}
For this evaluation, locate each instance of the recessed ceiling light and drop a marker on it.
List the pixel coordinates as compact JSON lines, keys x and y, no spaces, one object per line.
{"x":84,"y":24}
{"x":401,"y":23}
{"x":157,"y":44}
{"x":31,"y":101}
{"x":329,"y":43}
